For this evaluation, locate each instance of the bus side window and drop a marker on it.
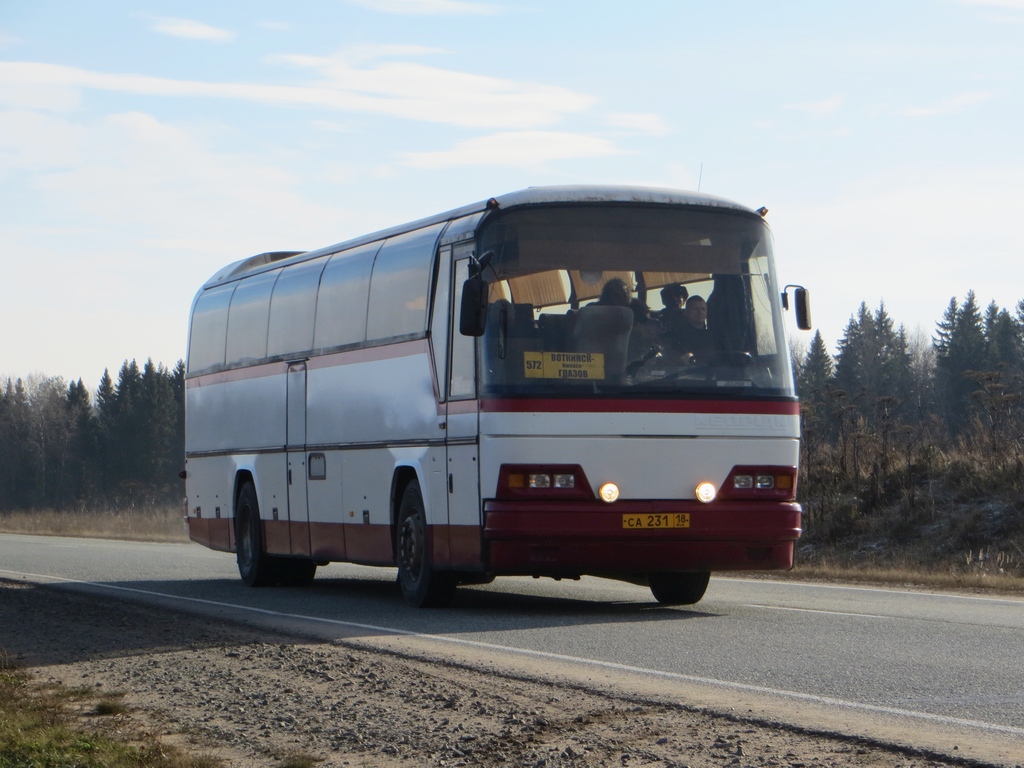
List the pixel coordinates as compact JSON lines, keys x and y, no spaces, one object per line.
{"x":341,"y":299}
{"x":209,"y":328}
{"x":399,"y":285}
{"x":248,"y":318}
{"x":463,"y":378}
{"x":292,"y":307}
{"x":439,"y":320}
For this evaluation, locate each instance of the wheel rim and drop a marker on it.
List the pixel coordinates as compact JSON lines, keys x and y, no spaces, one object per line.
{"x":412,"y":546}
{"x":247,"y":544}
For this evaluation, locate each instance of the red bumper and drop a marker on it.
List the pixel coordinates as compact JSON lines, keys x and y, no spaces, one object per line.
{"x":567,"y":538}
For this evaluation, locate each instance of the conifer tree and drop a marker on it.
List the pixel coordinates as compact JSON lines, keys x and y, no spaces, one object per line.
{"x":817,"y":368}
{"x":104,"y":434}
{"x":79,"y":483}
{"x":961,"y":350}
{"x":18,"y":468}
{"x":873,"y":361}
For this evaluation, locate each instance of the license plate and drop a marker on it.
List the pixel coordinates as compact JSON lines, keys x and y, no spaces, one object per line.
{"x":664,"y":520}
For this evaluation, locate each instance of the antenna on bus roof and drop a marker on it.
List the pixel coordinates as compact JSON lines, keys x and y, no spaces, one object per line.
{"x":700,"y":176}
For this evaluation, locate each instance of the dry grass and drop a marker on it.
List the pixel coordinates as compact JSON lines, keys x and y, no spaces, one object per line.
{"x":159,"y":524}
{"x":910,"y":575}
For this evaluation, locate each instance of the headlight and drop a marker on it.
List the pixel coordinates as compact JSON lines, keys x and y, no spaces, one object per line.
{"x":705,"y":492}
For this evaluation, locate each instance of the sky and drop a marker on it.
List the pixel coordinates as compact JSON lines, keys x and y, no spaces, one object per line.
{"x":146,"y":144}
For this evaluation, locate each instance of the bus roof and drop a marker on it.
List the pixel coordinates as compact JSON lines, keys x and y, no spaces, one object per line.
{"x":578,"y":193}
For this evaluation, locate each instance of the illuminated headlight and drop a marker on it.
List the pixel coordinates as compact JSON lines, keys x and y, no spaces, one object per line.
{"x":609,"y":492}
{"x":705,"y":492}
{"x":538,"y":481}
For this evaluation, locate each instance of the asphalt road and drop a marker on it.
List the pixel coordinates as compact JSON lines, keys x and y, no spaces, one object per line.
{"x":939,"y":671}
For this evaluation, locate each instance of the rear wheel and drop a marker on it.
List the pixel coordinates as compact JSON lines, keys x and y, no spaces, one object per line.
{"x":422,"y":585}
{"x":254,"y":565}
{"x":679,"y":588}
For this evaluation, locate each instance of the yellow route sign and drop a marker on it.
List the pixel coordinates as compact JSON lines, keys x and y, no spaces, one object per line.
{"x":563,"y":365}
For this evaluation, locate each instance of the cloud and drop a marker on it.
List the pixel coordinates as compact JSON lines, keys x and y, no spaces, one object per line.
{"x":418,"y":91}
{"x":56,"y":97}
{"x":135,"y":213}
{"x":822,"y":108}
{"x":427,"y":7}
{"x":191,"y":30}
{"x":647,"y":124}
{"x":398,"y":89}
{"x":515,"y":149}
{"x":949,"y":105}
{"x":32,"y":141}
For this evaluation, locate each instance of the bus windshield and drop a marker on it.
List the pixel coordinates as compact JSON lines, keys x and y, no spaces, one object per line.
{"x":626,"y":300}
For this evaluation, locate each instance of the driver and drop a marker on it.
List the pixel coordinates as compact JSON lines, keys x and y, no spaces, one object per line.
{"x":689,"y":336}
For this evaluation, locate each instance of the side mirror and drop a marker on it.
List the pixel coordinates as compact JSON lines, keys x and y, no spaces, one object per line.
{"x":473,"y":313}
{"x":802,"y":297}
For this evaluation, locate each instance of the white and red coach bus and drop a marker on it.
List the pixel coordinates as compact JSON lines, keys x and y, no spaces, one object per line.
{"x":467,"y":396}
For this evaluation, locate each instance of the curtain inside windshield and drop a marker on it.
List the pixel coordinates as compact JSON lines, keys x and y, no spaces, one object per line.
{"x":627,"y":300}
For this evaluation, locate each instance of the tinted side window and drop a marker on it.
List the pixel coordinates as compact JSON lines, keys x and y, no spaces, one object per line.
{"x":463,"y":381}
{"x":400,"y":283}
{"x":341,"y":301}
{"x":292,"y":307}
{"x":209,"y":328}
{"x":247,"y":318}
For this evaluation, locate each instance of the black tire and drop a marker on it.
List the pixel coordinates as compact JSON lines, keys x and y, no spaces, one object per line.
{"x":679,"y":588}
{"x":254,"y":565}
{"x":422,"y":585}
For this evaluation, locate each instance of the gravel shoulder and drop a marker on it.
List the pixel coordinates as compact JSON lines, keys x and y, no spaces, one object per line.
{"x":254,"y":698}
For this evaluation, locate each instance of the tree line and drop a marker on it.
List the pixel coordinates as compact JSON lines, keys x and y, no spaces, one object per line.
{"x":896,"y":421}
{"x":63,"y":448}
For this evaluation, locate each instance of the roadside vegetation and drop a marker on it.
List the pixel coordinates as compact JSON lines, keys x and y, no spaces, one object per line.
{"x":912,"y":465}
{"x":160,"y":523}
{"x":44,"y":726}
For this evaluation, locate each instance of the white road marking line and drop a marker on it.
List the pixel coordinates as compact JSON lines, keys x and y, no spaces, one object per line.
{"x":884,"y":590}
{"x":817,"y":610}
{"x":726,"y":684}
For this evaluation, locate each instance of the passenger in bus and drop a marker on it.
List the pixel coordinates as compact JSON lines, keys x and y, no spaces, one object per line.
{"x":615,"y":293}
{"x":690,"y":336}
{"x":673,"y":296}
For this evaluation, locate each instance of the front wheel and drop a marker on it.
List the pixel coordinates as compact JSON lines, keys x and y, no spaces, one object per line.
{"x":422,"y":585}
{"x":679,"y":588}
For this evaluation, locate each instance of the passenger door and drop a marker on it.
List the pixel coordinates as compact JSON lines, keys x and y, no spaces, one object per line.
{"x":298,"y":508}
{"x":462,"y":434}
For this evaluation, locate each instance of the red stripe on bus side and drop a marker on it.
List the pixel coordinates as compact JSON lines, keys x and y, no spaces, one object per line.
{"x":369,"y":354}
{"x":362,"y":355}
{"x":617,"y":405}
{"x":238,"y":374}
